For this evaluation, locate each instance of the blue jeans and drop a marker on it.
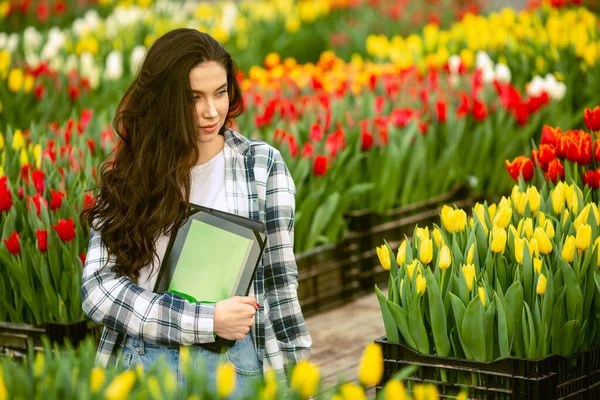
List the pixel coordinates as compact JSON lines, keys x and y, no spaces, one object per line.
{"x":242,"y":356}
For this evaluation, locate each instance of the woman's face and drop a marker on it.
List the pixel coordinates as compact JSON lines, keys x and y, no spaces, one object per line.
{"x":211,"y":101}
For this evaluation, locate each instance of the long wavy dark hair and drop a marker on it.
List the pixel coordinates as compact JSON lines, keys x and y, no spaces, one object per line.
{"x":144,"y":191}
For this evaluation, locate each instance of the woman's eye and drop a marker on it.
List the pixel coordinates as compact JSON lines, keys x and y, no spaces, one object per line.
{"x":222,"y":93}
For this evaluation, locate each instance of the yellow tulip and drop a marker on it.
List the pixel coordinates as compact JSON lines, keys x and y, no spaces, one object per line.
{"x":410,"y":269}
{"x":226,"y":380}
{"x":270,"y":390}
{"x":120,"y":387}
{"x":370,"y":370}
{"x":394,"y":390}
{"x":96,"y":379}
{"x":492,"y":211}
{"x":444,"y":258}
{"x":1,"y":141}
{"x":534,"y":198}
{"x":480,"y":212}
{"x":449,"y":219}
{"x":519,"y":249}
{"x":3,"y":389}
{"x":541,"y":219}
{"x":461,"y":220}
{"x":384,"y":257}
{"x":549,"y":229}
{"x":421,"y":284}
{"x":503,"y":216}
{"x":584,"y":236}
{"x":544,"y":243}
{"x":426,"y":251}
{"x":471,"y":254}
{"x":153,"y":385}
{"x":521,"y":203}
{"x":498,"y":239}
{"x":568,"y":251}
{"x":437,"y":237}
{"x":469,"y":274}
{"x":537,"y":265}
{"x":24,"y":158}
{"x":15,"y":80}
{"x":422,"y":233}
{"x":401,"y":256}
{"x":425,"y":392}
{"x":305,"y":379}
{"x":18,"y":141}
{"x":526,"y":227}
{"x":350,"y":391}
{"x":38,"y":365}
{"x":558,"y":198}
{"x":541,"y":285}
{"x":481,"y":293}
{"x":534,"y":248}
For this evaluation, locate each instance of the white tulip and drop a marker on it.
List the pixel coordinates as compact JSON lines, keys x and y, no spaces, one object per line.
{"x":72,"y":63}
{"x":488,"y":75}
{"x":229,"y":16}
{"x":114,"y":66}
{"x":503,"y":74}
{"x":536,"y":86}
{"x":87,"y":62}
{"x":483,"y":60}
{"x":32,"y":38}
{"x":32,"y":60}
{"x":12,"y":42}
{"x":454,"y":64}
{"x":137,"y":58}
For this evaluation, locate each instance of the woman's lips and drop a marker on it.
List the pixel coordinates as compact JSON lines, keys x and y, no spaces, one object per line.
{"x":209,"y":128}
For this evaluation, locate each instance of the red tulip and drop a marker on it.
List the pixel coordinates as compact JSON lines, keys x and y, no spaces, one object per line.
{"x":12,"y":243}
{"x":550,"y":135}
{"x":39,"y":91}
{"x":382,"y":131}
{"x":441,"y":107}
{"x":42,"y":10}
{"x":21,"y":192}
{"x":592,"y":178}
{"x":60,"y":7}
{"x":316,"y":133}
{"x":5,"y":200}
{"x":73,"y":92}
{"x":320,"y":165}
{"x":88,"y":200}
{"x":555,"y":170}
{"x":335,"y":142}
{"x":521,"y":112}
{"x":546,"y":153}
{"x":463,"y":108}
{"x":65,"y":229}
{"x":479,"y":110}
{"x":307,"y":150}
{"x":82,"y":258}
{"x":3,"y":183}
{"x":592,"y":118}
{"x":38,"y":180}
{"x":42,"y":239}
{"x":597,"y":150}
{"x":366,"y":139}
{"x":520,"y":166}
{"x":86,"y":116}
{"x":37,"y":200}
{"x":56,"y":201}
{"x":573,"y":151}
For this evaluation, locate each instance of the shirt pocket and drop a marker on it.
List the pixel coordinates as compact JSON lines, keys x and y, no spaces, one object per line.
{"x":243,"y":358}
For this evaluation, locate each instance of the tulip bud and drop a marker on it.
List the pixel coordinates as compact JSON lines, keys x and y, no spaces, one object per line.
{"x":572,"y":198}
{"x":519,"y":248}
{"x":582,"y":218}
{"x":526,"y":227}
{"x":448,"y":215}
{"x":481,"y":293}
{"x":401,"y":257}
{"x":544,"y":244}
{"x":471,"y":254}
{"x":584,"y":234}
{"x":469,"y":274}
{"x":461,"y":220}
{"x":503,"y":216}
{"x":537,"y":265}
{"x":370,"y":370}
{"x":96,"y":379}
{"x":438,"y":238}
{"x":305,"y":379}
{"x":444,"y":258}
{"x":549,"y":229}
{"x":541,"y":219}
{"x":384,"y":257}
{"x":121,"y":386}
{"x":395,"y":390}
{"x":541,"y":285}
{"x":422,"y":233}
{"x":498,"y":239}
{"x":568,"y":251}
{"x":421,"y":284}
{"x":492,"y":211}
{"x":426,"y":251}
{"x":410,"y":269}
{"x":534,"y":198}
{"x":558,"y":199}
{"x":534,"y":249}
{"x":480,"y":212}
{"x":24,"y":159}
{"x":521,"y":203}
{"x":226,"y":380}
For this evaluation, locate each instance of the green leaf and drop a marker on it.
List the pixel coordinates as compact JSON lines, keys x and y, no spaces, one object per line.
{"x":438,"y":316}
{"x":573,"y":293}
{"x":559,"y":317}
{"x":569,"y":333}
{"x":474,"y":329}
{"x":514,"y":298}
{"x":416,"y":324}
{"x":529,"y":332}
{"x":401,"y":319}
{"x":391,"y":331}
{"x":504,"y":338}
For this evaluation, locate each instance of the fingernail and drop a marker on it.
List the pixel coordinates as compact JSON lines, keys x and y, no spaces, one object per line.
{"x":257,"y":305}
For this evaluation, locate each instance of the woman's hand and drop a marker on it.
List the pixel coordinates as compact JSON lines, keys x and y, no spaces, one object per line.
{"x":234,"y":317}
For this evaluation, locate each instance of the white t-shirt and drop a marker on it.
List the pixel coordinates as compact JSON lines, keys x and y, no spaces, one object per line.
{"x":208,"y":190}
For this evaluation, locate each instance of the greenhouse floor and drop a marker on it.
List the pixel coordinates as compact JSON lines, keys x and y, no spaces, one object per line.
{"x":339,"y":338}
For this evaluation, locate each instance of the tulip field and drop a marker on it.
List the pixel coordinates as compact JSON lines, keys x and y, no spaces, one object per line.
{"x":375,"y":105}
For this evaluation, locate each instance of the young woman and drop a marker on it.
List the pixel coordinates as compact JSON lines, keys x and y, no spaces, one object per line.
{"x":176,"y":147}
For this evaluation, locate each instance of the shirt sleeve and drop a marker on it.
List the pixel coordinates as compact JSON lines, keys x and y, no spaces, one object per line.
{"x":280,"y":269}
{"x":115,"y":301}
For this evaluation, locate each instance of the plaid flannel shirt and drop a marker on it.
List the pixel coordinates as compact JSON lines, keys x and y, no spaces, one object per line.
{"x":258,"y":185}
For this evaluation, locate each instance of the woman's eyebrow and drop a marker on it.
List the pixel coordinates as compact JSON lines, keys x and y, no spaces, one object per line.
{"x":223,"y":86}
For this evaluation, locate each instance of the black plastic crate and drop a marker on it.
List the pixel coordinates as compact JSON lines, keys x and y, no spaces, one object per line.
{"x":553,"y":377}
{"x":14,"y":337}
